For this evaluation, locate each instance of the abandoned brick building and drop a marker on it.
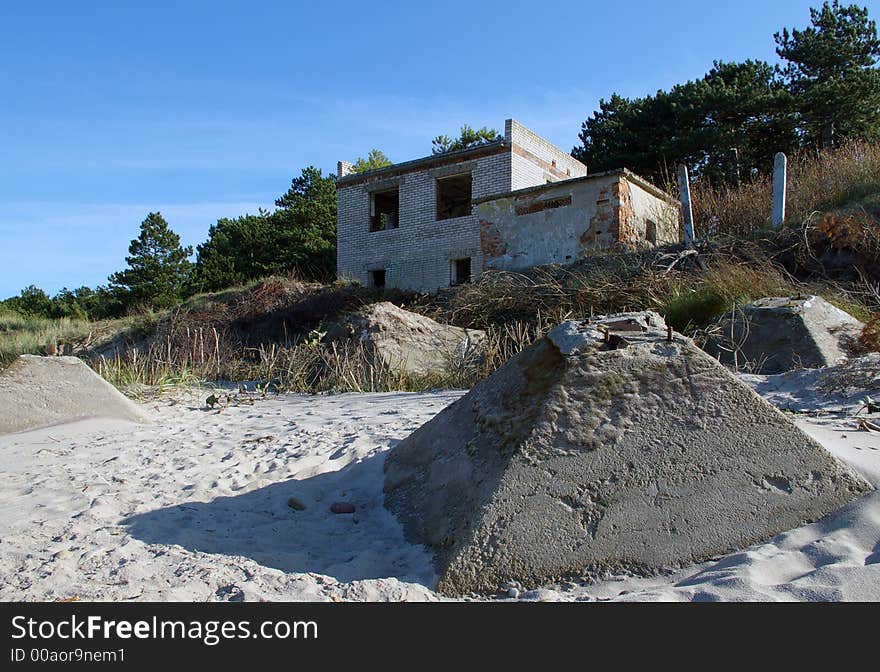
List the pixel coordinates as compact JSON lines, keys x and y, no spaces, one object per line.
{"x":510,"y":204}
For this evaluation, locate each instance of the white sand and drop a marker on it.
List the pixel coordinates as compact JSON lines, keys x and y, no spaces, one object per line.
{"x":195,"y":508}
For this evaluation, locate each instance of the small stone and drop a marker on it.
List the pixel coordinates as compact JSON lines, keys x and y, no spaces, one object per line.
{"x":230,"y":593}
{"x":296,"y":504}
{"x":342,"y":507}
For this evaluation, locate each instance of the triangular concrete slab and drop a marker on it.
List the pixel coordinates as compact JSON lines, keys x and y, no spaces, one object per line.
{"x":778,"y":334}
{"x":41,"y":391}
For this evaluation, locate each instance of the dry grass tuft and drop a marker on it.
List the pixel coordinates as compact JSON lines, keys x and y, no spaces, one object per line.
{"x":42,"y":336}
{"x":817,"y":183}
{"x":689,"y":298}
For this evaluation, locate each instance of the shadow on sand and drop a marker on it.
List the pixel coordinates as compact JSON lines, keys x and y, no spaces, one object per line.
{"x":261,"y":525}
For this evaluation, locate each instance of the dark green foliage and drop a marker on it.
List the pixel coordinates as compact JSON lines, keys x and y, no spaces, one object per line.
{"x":237,"y":250}
{"x":375,"y":159}
{"x":729,"y":124}
{"x":85,"y":303}
{"x":832,"y":74}
{"x":305,"y":224}
{"x":468,"y":137}
{"x":720,"y":125}
{"x":32,"y":302}
{"x":299,"y":237}
{"x":66,"y":304}
{"x":82,"y":303}
{"x":158,"y":267}
{"x":97,"y":304}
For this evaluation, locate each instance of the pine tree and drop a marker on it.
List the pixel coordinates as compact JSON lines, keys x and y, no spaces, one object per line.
{"x":374,"y":160}
{"x":305,"y":226}
{"x":158,"y":267}
{"x":468,"y":137}
{"x":832,"y":74}
{"x":728,"y":123}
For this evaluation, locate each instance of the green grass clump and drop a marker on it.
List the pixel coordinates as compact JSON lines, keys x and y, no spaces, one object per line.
{"x":691,"y":309}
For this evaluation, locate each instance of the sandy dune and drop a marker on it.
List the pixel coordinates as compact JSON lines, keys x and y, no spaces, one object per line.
{"x":195,"y":508}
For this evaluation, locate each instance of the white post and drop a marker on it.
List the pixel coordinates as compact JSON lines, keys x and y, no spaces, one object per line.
{"x":780,"y":177}
{"x":687,"y":212}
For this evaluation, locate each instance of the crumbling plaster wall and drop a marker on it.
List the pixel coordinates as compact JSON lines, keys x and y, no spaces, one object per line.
{"x":559,"y":223}
{"x":661,"y":210}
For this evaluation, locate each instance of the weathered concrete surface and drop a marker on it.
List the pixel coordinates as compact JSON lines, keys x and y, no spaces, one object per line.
{"x":559,"y":223}
{"x":399,"y":339}
{"x":577,"y":457}
{"x":41,"y":391}
{"x":778,"y":334}
{"x":687,"y":211}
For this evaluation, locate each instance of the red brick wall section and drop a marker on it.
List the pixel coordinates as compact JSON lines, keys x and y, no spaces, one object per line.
{"x":490,"y":241}
{"x":601,"y":222}
{"x":614,"y":224}
{"x":624,"y":217}
{"x":549,"y":167}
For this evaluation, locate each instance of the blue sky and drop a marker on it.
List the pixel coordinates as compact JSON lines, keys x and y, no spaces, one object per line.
{"x":110,"y":110}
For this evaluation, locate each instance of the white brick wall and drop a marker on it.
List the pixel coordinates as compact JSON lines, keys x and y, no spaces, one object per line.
{"x":528,"y":173}
{"x":418,"y":254}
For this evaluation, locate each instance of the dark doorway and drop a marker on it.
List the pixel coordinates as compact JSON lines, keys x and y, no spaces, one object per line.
{"x":377,"y":278}
{"x":651,"y":232}
{"x":461,"y":271}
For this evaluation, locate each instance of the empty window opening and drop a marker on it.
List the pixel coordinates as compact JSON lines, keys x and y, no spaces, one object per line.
{"x":651,"y":232}
{"x":377,"y":278}
{"x":461,"y":271}
{"x":454,"y":196}
{"x":539,"y":206}
{"x":384,"y":208}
